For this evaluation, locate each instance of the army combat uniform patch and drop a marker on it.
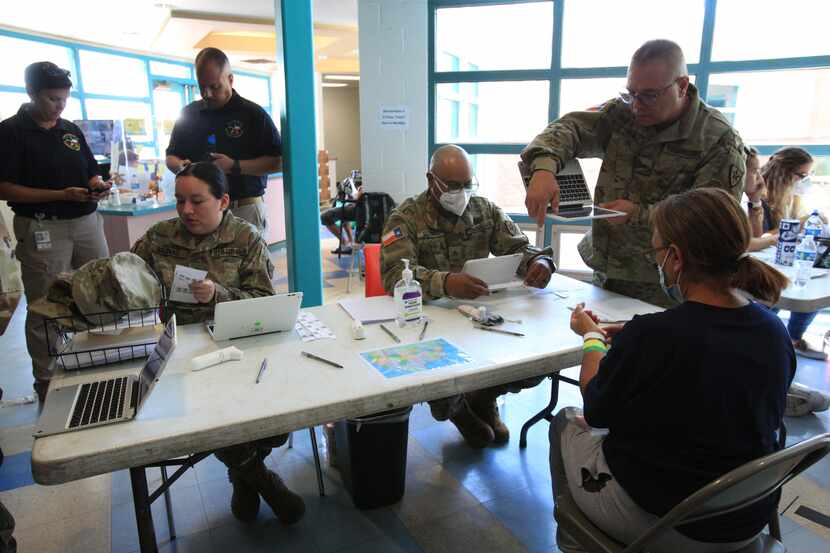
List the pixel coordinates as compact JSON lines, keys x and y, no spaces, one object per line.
{"x":392,"y":236}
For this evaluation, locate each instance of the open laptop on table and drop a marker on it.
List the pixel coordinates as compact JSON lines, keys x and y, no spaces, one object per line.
{"x":498,"y":272}
{"x":255,"y":316}
{"x":575,"y":201}
{"x":105,"y":400}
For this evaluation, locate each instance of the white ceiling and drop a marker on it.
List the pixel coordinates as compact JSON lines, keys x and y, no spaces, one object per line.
{"x":147,"y":25}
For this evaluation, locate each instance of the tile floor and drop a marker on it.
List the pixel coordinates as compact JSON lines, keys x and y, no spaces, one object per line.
{"x":457,"y":499}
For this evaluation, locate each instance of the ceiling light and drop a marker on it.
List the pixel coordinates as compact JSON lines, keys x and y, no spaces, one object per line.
{"x":334,"y":85}
{"x":343,"y":77}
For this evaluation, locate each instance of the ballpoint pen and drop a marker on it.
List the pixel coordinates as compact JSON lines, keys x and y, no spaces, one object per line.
{"x":318,"y":358}
{"x":500,"y":331}
{"x":389,"y":332}
{"x":262,"y":367}
{"x":423,"y":330}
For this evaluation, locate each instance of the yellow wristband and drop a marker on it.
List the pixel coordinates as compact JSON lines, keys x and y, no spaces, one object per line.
{"x":593,"y":342}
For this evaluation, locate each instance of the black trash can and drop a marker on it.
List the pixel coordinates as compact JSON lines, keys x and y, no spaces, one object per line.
{"x":371,"y":456}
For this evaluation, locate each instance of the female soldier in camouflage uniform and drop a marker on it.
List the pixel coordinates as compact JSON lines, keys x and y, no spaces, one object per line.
{"x":208,"y":237}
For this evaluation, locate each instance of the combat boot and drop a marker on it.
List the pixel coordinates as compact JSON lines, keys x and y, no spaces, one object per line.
{"x":485,"y":407}
{"x":475,"y":431}
{"x":287,"y":506}
{"x":245,"y":499}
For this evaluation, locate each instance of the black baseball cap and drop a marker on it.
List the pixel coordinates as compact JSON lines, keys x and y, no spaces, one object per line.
{"x":45,"y":74}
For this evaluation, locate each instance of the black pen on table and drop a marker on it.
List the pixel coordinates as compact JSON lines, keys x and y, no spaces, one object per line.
{"x":262,"y":367}
{"x":423,"y":330}
{"x":318,"y":358}
{"x":389,"y":332}
{"x":500,"y":331}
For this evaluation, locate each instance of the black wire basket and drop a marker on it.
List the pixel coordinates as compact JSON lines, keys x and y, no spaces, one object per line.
{"x":103,"y":338}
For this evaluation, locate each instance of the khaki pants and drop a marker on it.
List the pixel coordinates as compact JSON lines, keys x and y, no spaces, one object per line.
{"x":253,"y":213}
{"x":74,"y":242}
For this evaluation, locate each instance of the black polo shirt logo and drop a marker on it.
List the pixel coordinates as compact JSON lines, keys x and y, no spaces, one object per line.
{"x":71,"y":141}
{"x":234,"y":128}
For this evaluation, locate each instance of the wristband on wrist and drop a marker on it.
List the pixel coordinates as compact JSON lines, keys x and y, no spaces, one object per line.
{"x":594,"y":345}
{"x":594,"y":336}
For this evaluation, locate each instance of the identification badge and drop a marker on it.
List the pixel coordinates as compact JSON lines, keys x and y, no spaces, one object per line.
{"x":42,"y":240}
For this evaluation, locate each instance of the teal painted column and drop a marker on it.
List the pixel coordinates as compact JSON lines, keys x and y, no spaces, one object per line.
{"x":295,"y":61}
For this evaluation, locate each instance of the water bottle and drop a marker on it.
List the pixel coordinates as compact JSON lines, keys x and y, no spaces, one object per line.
{"x":813,"y":225}
{"x":805,"y":257}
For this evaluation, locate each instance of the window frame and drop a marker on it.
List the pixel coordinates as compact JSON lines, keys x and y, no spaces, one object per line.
{"x":702,"y":70}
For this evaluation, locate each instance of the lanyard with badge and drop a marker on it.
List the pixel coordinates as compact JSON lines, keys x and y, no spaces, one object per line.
{"x":42,"y":239}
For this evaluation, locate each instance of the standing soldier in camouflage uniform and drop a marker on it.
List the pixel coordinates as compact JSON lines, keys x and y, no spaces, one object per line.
{"x":657,"y":139}
{"x":438,"y":231}
{"x":231,"y":250}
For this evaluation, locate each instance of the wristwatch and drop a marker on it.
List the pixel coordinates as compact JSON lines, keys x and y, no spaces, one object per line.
{"x":236,"y":170}
{"x":754,"y":205}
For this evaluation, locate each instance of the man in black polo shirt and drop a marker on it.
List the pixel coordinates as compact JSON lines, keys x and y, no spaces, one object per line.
{"x":50,"y":179}
{"x":235,"y":133}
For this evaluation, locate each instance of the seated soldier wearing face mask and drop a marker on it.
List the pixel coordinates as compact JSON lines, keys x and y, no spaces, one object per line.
{"x":438,"y":231}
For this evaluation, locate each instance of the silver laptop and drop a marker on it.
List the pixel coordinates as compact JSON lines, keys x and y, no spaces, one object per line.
{"x":106,"y":400}
{"x":498,"y":272}
{"x":575,"y":200}
{"x":255,"y":316}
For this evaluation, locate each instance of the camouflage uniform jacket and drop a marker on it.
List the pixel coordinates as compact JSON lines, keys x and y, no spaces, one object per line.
{"x":643,"y":165}
{"x":234,"y":255}
{"x":437,"y":244}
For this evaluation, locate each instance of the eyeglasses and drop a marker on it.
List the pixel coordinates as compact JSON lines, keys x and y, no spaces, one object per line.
{"x":651,"y":254}
{"x":648,"y":97}
{"x":455,"y":186}
{"x":803,"y":176}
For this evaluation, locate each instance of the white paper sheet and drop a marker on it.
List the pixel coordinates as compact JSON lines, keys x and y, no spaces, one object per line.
{"x":182,"y":279}
{"x":378,"y":309}
{"x":616,"y":310}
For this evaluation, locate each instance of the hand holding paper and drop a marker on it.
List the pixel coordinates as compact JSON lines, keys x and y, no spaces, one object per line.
{"x":183,"y":278}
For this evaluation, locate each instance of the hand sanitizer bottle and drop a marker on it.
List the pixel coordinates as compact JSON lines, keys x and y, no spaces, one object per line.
{"x":408,"y":298}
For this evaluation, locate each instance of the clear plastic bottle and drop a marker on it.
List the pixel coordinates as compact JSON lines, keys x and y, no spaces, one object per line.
{"x":805,"y":256}
{"x":813,"y":225}
{"x":409,"y":308}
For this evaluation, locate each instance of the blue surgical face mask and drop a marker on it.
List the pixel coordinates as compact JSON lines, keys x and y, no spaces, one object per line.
{"x":674,"y":292}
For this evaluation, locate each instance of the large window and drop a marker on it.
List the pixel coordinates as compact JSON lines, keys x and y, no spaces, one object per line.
{"x":146,"y":92}
{"x":765,"y":64}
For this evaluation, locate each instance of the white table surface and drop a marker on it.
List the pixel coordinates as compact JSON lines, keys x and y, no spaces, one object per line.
{"x":815,"y":295}
{"x":190,"y":412}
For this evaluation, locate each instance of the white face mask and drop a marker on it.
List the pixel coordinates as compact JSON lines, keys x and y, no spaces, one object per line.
{"x":455,"y":202}
{"x":802,"y":187}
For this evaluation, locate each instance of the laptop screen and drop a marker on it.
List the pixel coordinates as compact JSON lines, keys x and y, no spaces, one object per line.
{"x":157,"y":359}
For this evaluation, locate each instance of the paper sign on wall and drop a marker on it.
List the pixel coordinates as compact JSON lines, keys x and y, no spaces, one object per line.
{"x":394,"y":117}
{"x":135,"y":126}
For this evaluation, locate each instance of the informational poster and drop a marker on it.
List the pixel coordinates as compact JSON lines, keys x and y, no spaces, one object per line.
{"x":135,"y":126}
{"x":394,"y":117}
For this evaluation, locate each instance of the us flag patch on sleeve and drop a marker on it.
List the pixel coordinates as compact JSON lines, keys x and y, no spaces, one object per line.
{"x":392,"y":236}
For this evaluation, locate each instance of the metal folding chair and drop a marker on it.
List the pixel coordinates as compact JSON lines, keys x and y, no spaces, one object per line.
{"x":737,"y":489}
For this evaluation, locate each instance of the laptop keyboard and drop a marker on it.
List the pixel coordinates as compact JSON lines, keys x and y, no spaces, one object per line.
{"x":99,"y":402}
{"x":573,"y":188}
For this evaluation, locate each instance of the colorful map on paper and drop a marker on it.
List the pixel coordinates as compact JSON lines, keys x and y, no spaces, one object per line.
{"x":409,"y":359}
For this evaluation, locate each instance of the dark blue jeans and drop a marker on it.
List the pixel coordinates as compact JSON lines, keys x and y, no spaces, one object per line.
{"x":798,"y":323}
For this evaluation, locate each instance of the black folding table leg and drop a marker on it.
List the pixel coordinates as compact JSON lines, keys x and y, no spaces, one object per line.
{"x":143,"y":512}
{"x":546,"y":413}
